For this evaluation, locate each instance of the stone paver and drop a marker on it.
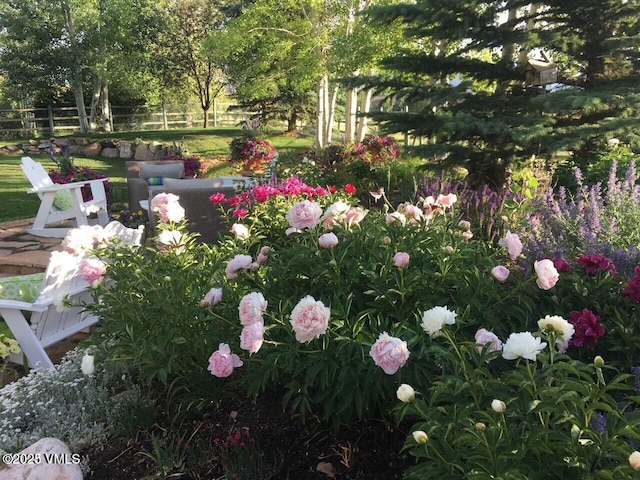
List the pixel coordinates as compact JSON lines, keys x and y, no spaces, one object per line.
{"x":22,"y":253}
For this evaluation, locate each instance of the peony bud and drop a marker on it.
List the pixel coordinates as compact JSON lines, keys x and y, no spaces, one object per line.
{"x":405,"y":393}
{"x":634,"y":460}
{"x":87,"y":366}
{"x":598,"y":361}
{"x":448,"y":250}
{"x":386,"y":240}
{"x":498,"y":406}
{"x":167,"y":278}
{"x":421,"y":437}
{"x":480,"y":427}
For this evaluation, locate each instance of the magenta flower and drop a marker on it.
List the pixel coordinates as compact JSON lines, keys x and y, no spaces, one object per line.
{"x":593,"y":263}
{"x":588,"y":329}
{"x":632,"y":290}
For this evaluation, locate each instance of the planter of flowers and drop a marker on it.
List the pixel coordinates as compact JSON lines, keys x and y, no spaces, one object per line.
{"x":251,"y":155}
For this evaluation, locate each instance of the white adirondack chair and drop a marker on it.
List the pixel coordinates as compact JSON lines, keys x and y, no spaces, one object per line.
{"x":49,"y":322}
{"x":48,"y":214}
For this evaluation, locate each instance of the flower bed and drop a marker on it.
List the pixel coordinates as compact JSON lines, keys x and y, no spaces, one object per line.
{"x":349,"y":315}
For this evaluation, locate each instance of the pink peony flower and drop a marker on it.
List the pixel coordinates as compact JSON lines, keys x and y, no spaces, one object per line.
{"x":291,"y":231}
{"x":467,"y":235}
{"x":309,"y":319}
{"x":237,"y":263}
{"x":401,"y":259}
{"x":489,"y":339}
{"x":500,"y":273}
{"x":167,"y":207}
{"x":251,"y":308}
{"x":396,"y":217}
{"x":328,"y":240}
{"x":212,"y":298}
{"x":79,"y":240}
{"x":92,"y":270}
{"x":222,"y":361}
{"x":446,"y":201}
{"x":252,"y":336}
{"x":305,"y":214}
{"x":355,"y":215}
{"x":240,"y":212}
{"x":464,"y":225}
{"x":240,"y":231}
{"x":389,"y":353}
{"x":547,"y":274}
{"x":263,"y":255}
{"x":411,"y":212}
{"x":512,"y":243}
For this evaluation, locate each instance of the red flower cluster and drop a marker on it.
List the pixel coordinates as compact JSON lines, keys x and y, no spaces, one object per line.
{"x":593,"y":263}
{"x":588,"y":328}
{"x":632,"y":290}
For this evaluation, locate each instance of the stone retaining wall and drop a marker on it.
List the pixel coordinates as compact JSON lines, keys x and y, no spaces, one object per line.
{"x":84,"y":147}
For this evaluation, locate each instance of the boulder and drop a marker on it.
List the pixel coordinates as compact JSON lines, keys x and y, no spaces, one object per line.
{"x":60,"y":142}
{"x":110,"y":152}
{"x":13,"y":148}
{"x":125,"y":150}
{"x":143,"y":153}
{"x":91,"y":150}
{"x":50,"y":458}
{"x":154,"y":147}
{"x":82,"y":141}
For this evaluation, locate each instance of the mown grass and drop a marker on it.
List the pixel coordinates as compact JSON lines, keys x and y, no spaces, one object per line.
{"x":16,"y":203}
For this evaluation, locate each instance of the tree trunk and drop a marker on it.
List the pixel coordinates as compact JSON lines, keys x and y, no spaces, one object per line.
{"x":332,"y":112}
{"x":321,"y":118}
{"x":76,"y":80}
{"x":350,"y":115}
{"x":105,"y":107}
{"x":205,"y":111}
{"x":292,"y":120}
{"x":95,"y":99}
{"x":365,"y":106}
{"x":523,"y":56}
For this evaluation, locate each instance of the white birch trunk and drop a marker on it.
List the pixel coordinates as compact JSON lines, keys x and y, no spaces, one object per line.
{"x":95,"y":99}
{"x":76,"y":80}
{"x":321,"y":115}
{"x":365,"y":106}
{"x":332,"y":112}
{"x":531,"y":24}
{"x":105,"y":106}
{"x":350,"y":115}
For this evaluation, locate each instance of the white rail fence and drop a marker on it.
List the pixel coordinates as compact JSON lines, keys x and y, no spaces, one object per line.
{"x":64,"y":120}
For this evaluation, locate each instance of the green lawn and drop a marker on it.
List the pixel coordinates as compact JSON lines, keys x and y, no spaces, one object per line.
{"x":16,"y":204}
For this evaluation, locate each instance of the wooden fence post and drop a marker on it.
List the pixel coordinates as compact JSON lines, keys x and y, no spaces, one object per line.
{"x":52,"y":125}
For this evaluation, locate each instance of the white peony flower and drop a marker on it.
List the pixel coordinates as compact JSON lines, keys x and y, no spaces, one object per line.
{"x":434,"y":319}
{"x":522,"y":344}
{"x":563,"y":329}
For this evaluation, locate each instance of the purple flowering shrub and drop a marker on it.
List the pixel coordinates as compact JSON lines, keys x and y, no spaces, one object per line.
{"x":596,"y":219}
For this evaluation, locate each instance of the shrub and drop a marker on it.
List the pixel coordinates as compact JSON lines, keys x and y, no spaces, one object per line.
{"x":596,"y":219}
{"x":192,"y":164}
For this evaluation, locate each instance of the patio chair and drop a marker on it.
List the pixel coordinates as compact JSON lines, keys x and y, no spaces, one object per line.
{"x":61,"y":202}
{"x":37,"y":323}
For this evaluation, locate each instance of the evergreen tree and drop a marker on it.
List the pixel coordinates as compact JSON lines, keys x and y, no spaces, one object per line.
{"x":461,"y":82}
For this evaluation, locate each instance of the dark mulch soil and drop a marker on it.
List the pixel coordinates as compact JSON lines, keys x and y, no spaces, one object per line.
{"x":368,"y":450}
